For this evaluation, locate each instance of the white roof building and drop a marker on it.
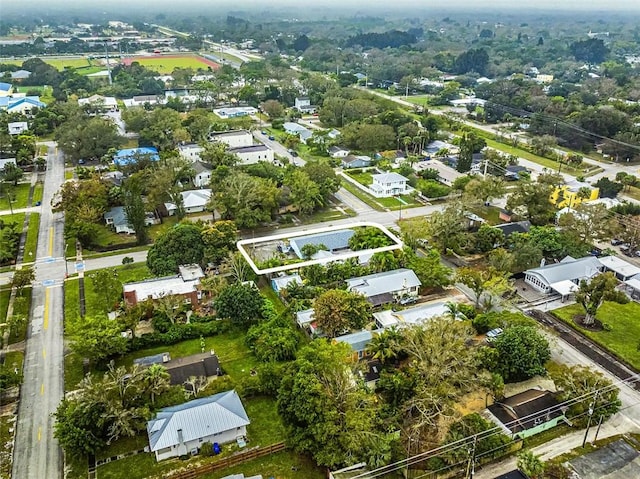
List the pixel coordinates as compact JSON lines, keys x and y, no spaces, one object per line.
{"x":194,"y":201}
{"x":563,"y":277}
{"x":386,"y":287}
{"x":410,"y":316}
{"x":621,"y":268}
{"x":389,"y":184}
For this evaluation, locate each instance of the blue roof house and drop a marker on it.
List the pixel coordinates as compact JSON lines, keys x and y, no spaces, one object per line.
{"x":5,"y":88}
{"x":181,"y":430}
{"x":131,"y":155}
{"x":334,"y":241}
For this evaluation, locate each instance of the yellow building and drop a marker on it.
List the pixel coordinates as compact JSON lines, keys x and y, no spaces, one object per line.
{"x":573,"y":193}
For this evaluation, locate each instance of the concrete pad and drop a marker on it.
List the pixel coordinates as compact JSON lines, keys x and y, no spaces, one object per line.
{"x":618,"y":460}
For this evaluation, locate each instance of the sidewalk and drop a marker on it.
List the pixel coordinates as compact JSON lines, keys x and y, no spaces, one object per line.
{"x":618,"y":424}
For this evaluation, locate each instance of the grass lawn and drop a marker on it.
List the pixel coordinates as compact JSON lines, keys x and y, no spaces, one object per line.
{"x":622,"y":340}
{"x":19,"y":194}
{"x":632,"y":192}
{"x":362,"y":196}
{"x":106,"y":237}
{"x":5,"y":294}
{"x":90,"y":254}
{"x":71,"y":299}
{"x":31,"y":242}
{"x":281,"y":465}
{"x":21,"y":309}
{"x":6,"y":437}
{"x":124,"y":445}
{"x":267,"y":291}
{"x":167,"y":223}
{"x":364,"y":178}
{"x":405,"y":201}
{"x":62,"y":63}
{"x":14,"y":359}
{"x":266,"y":425}
{"x":68,"y":174}
{"x":327,"y":215}
{"x":166,"y":64}
{"x":73,"y":371}
{"x":126,"y":274}
{"x":235,"y":357}
{"x":37,"y":193}
{"x":490,"y":213}
{"x":420,"y":100}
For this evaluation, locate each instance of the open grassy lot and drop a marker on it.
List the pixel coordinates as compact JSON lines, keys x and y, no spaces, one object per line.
{"x":365,"y":178}
{"x":31,"y":243}
{"x":281,"y":465}
{"x":624,"y":321}
{"x":21,"y":309}
{"x":126,"y":274}
{"x":167,"y":63}
{"x":490,"y":213}
{"x":61,"y":63}
{"x":19,"y":195}
{"x":37,"y":193}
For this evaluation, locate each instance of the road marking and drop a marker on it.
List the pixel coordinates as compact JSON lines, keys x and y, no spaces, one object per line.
{"x":42,"y":389}
{"x":51,"y":241}
{"x":39,"y":432}
{"x":44,"y":353}
{"x":46,"y":308}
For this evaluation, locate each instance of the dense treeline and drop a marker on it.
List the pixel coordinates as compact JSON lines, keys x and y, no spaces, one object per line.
{"x":393,"y":39}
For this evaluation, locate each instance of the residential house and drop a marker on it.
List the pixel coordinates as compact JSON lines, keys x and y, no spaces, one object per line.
{"x":303,"y":105}
{"x":528,"y":413}
{"x":132,"y":155}
{"x":305,"y":318}
{"x":446,"y":174}
{"x":202,"y":175}
{"x":20,"y":75}
{"x":23,"y":105}
{"x":6,"y":89}
{"x":142,"y":100}
{"x":180,"y":370}
{"x":99,"y":103}
{"x":632,"y":287}
{"x":17,"y":127}
{"x":279,"y":283}
{"x":5,"y":161}
{"x":337,"y":152}
{"x":356,"y":161}
{"x":514,"y":172}
{"x":569,"y":194}
{"x":436,"y":146}
{"x":233,"y":138}
{"x":190,"y":151}
{"x":563,"y":277}
{"x":113,"y":177}
{"x":419,"y":314}
{"x":506,"y":215}
{"x":622,"y":269}
{"x":235,"y":112}
{"x":386,"y":287}
{"x":253,"y":154}
{"x":193,"y":201}
{"x":389,"y":184}
{"x":295,"y":129}
{"x":117,"y":219}
{"x":184,"y":284}
{"x":358,"y":342}
{"x":371,"y":374}
{"x":333,"y":241}
{"x":607,"y":202}
{"x":180,"y":430}
{"x":518,"y":227}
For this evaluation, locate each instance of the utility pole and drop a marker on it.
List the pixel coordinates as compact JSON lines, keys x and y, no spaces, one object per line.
{"x":486,"y":165}
{"x":591,"y":406}
{"x":595,"y":438}
{"x":471,"y":464}
{"x":106,"y":52}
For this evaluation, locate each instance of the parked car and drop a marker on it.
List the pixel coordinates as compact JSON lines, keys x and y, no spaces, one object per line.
{"x":616,"y":242}
{"x":272,"y":138}
{"x":263,"y":132}
{"x":624,"y":247}
{"x":493,"y":334}
{"x":293,"y":152}
{"x":407,"y":300}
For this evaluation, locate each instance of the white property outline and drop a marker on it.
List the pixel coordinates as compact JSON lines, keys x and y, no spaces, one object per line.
{"x":351,"y":254}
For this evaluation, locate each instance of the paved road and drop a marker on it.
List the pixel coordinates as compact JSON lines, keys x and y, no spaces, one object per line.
{"x":278,"y":148}
{"x":36,"y":453}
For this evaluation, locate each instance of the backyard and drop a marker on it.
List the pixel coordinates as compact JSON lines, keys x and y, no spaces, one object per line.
{"x":623,"y":335}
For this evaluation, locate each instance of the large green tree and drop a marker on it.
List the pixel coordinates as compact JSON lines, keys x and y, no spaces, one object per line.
{"x":531,"y":201}
{"x":87,"y":137}
{"x":523,"y":352}
{"x":484,"y":283}
{"x":134,"y":207}
{"x":219,"y":239}
{"x":240,"y":303}
{"x":327,"y":414}
{"x":337,"y":311}
{"x":177,"y":246}
{"x":593,"y":293}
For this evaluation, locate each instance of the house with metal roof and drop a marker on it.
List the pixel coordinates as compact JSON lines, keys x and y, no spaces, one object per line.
{"x":17,"y":127}
{"x":193,"y":201}
{"x":131,"y":155}
{"x":622,"y":269}
{"x":338,"y":152}
{"x":5,"y":89}
{"x":333,"y":241}
{"x":283,"y":282}
{"x":411,"y":316}
{"x":181,"y":369}
{"x":386,"y":287}
{"x":253,"y":154}
{"x":20,"y":75}
{"x":358,"y":341}
{"x":20,"y":104}
{"x":563,"y":277}
{"x":354,"y":161}
{"x":179,"y":430}
{"x":296,"y":129}
{"x":117,"y":218}
{"x":232,"y":138}
{"x":389,"y":184}
{"x":528,"y":413}
{"x":99,"y":103}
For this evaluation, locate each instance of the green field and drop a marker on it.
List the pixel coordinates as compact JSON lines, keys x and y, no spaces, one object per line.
{"x":62,"y":63}
{"x":19,"y":195}
{"x":622,"y":319}
{"x":166,"y":65}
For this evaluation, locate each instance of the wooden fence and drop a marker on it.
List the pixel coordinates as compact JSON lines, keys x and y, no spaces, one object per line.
{"x":228,"y":461}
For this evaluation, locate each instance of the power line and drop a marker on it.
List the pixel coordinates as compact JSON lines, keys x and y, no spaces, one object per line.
{"x":490,"y":432}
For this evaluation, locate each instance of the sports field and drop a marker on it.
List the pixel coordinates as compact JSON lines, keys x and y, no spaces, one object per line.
{"x":166,"y":63}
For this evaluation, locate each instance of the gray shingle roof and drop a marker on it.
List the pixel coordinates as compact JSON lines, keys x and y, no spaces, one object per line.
{"x":197,"y":419}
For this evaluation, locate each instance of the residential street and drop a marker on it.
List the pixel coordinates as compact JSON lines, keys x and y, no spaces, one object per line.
{"x":36,"y":452}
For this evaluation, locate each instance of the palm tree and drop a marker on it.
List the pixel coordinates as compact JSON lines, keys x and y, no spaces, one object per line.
{"x":156,"y":380}
{"x":385,"y":345}
{"x":453,"y":309}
